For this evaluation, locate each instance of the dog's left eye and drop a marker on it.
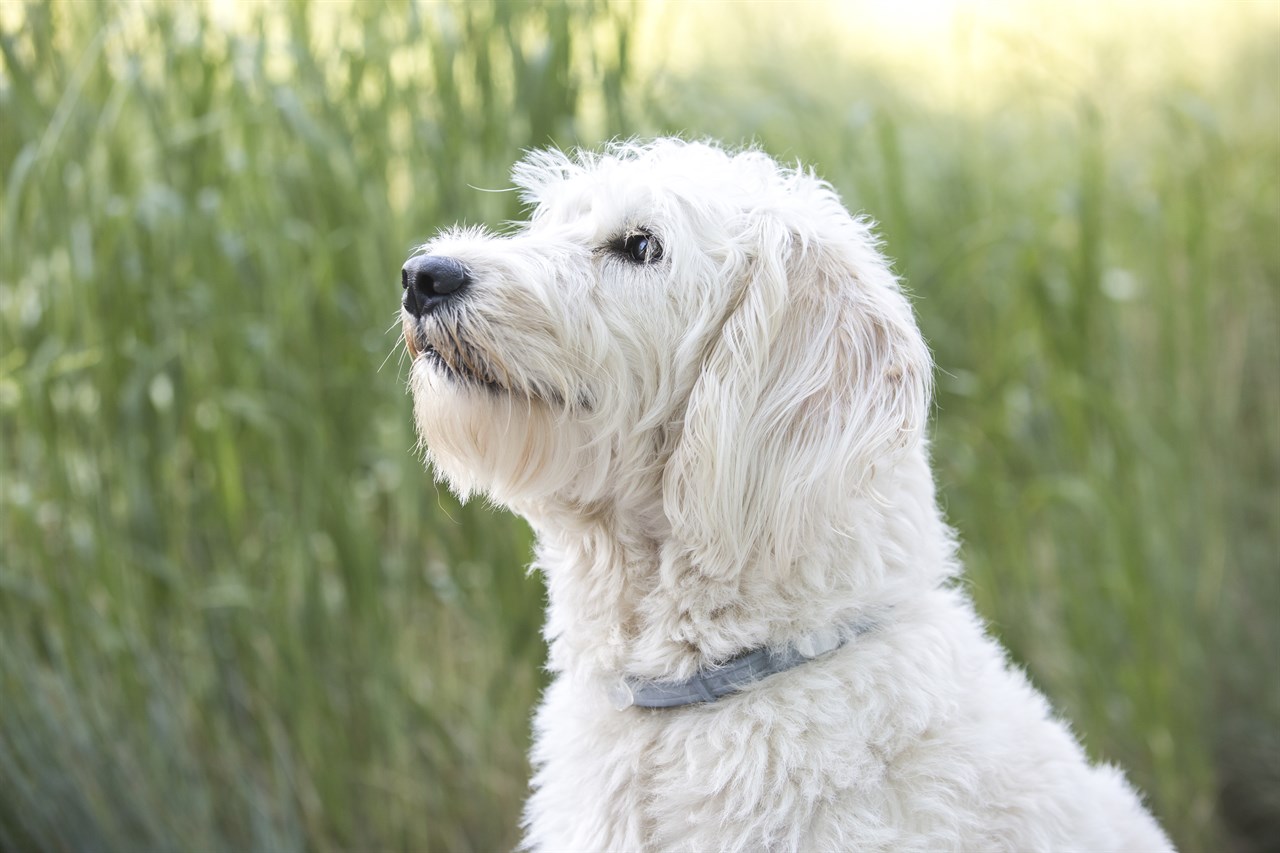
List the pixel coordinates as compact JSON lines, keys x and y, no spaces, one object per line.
{"x":641,"y":248}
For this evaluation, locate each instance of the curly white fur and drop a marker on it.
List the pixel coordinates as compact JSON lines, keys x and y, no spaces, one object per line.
{"x":721,"y":450}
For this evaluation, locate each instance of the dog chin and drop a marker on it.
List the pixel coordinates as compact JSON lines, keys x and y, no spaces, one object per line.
{"x":460,"y":363}
{"x":514,"y":448}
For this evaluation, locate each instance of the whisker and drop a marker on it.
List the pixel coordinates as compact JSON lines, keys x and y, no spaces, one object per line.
{"x":393,"y":351}
{"x":483,"y":190}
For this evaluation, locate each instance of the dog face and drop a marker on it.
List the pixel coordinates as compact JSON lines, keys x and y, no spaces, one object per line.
{"x":706,"y":329}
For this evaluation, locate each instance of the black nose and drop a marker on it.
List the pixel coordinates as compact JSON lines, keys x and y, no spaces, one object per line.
{"x":428,"y":280}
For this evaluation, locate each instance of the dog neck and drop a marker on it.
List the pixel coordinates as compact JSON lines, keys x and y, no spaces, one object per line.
{"x":614,"y":571}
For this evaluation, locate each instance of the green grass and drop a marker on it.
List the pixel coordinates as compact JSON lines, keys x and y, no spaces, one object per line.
{"x":234,"y":613}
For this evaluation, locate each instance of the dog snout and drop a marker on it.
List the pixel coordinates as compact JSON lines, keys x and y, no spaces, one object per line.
{"x":429,"y":280}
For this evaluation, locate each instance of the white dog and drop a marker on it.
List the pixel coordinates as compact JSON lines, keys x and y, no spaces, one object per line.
{"x":696,"y":377}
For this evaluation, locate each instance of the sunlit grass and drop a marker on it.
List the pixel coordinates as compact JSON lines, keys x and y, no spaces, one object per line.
{"x":970,"y":54}
{"x":235,"y":614}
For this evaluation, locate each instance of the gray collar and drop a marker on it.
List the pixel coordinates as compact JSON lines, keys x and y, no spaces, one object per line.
{"x":733,"y":675}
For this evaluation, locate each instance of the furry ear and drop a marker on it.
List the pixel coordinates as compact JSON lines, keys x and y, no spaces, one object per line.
{"x":819,"y":374}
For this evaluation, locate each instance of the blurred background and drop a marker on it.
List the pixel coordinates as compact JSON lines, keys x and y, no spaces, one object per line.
{"x":235,"y":612}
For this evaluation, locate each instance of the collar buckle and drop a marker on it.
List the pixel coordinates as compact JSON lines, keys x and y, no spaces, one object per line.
{"x":621,"y":696}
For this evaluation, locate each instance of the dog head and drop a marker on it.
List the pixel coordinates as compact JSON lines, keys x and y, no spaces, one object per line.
{"x":676,"y":324}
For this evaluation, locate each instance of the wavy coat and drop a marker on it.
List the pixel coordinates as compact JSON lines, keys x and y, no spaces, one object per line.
{"x":720,"y":447}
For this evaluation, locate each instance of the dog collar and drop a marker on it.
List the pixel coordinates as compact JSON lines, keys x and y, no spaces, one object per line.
{"x":733,"y":675}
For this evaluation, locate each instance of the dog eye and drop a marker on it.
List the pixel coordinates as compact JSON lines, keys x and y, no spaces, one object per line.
{"x":641,"y":248}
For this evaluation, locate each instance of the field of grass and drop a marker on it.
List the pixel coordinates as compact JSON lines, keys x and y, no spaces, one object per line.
{"x":236,"y":614}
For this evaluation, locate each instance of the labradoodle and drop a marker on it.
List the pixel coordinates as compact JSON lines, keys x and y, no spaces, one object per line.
{"x":695,"y":375}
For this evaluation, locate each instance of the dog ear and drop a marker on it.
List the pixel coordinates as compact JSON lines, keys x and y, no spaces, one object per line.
{"x":818,"y":376}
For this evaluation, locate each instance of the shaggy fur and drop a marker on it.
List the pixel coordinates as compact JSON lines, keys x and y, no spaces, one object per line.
{"x":720,"y":445}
